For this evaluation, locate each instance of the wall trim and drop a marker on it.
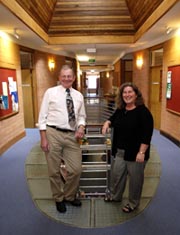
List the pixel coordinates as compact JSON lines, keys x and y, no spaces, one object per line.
{"x":167,"y":135}
{"x":11,"y":142}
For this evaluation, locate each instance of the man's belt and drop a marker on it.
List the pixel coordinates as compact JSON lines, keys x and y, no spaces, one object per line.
{"x":60,"y":129}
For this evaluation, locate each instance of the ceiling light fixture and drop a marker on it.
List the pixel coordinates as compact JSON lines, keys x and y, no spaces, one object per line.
{"x":178,"y":32}
{"x":168,"y":30}
{"x":3,"y":34}
{"x":82,"y":58}
{"x":16,"y":35}
{"x":91,"y":50}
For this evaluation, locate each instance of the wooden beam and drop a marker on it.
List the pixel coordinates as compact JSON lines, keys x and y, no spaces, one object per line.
{"x":94,"y":67}
{"x":87,"y":3}
{"x":102,"y":27}
{"x":107,"y":39}
{"x":90,"y":8}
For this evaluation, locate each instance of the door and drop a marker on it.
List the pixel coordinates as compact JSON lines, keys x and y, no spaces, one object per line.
{"x":155,"y":95}
{"x":27,"y":88}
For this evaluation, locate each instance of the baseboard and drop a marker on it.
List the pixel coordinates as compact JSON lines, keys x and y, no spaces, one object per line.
{"x":11,"y":142}
{"x":167,"y":135}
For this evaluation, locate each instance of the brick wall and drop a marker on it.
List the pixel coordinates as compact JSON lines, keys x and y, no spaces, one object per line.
{"x":141,"y":76}
{"x":44,"y":77}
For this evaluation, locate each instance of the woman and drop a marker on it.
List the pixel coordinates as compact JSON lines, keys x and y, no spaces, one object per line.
{"x":132,"y":125}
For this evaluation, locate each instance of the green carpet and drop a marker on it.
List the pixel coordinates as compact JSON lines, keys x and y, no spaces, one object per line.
{"x":94,"y":211}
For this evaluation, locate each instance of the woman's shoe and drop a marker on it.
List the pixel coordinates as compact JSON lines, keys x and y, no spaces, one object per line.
{"x":128,"y":209}
{"x":108,"y":199}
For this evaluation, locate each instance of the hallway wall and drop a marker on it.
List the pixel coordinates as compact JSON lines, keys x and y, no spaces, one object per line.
{"x":170,"y":122}
{"x":44,"y":77}
{"x":141,"y":77}
{"x":12,"y":128}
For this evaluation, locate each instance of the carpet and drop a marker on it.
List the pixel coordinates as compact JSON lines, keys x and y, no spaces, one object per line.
{"x":94,"y":213}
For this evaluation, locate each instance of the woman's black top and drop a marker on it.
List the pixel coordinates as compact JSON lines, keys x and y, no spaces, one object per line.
{"x":131,"y":128}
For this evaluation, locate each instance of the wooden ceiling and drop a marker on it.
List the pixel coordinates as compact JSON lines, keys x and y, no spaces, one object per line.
{"x":60,"y":18}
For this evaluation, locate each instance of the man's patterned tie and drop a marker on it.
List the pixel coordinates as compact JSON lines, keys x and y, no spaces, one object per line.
{"x":70,"y":109}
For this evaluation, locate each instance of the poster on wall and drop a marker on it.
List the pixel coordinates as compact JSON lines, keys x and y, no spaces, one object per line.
{"x":169,"y":85}
{"x":8,"y":93}
{"x":173,"y":89}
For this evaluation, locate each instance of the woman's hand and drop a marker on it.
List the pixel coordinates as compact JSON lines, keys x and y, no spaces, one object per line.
{"x":105,"y":127}
{"x":141,"y":154}
{"x":140,"y":157}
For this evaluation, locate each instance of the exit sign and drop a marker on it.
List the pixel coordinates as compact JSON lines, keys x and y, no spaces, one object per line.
{"x":92,"y":61}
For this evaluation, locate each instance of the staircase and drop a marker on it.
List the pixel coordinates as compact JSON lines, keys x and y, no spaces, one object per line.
{"x":96,"y":151}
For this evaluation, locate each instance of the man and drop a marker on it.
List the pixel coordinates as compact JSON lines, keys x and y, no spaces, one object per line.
{"x":59,"y":137}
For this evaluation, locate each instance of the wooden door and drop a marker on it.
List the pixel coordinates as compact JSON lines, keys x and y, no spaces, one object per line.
{"x":155,"y":95}
{"x":27,"y":88}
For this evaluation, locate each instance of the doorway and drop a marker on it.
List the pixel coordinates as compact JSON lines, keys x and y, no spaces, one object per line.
{"x":156,"y":86}
{"x":28,"y":89}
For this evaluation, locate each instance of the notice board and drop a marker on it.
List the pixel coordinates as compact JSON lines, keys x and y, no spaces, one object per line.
{"x":173,"y":89}
{"x":8,"y":93}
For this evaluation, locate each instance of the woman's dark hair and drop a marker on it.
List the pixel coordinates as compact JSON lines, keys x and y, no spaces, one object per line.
{"x":119,"y":99}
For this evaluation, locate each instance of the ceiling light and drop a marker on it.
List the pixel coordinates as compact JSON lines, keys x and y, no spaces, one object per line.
{"x":168,"y":30}
{"x":16,"y":35}
{"x":178,"y":32}
{"x":82,"y":58}
{"x":91,"y":50}
{"x":3,"y":34}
